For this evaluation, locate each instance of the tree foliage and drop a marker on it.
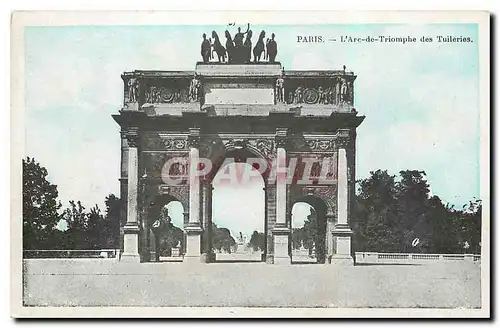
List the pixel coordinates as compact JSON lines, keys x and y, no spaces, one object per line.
{"x":40,"y":206}
{"x":257,"y":241}
{"x":306,"y":236}
{"x":390,"y":214}
{"x":172,"y":237}
{"x":222,"y":239}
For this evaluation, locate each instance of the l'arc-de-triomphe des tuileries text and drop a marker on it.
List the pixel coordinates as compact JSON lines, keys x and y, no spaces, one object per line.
{"x":233,"y":105}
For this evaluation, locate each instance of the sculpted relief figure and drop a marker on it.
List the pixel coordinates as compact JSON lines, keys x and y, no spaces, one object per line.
{"x":321,"y":95}
{"x":153,"y":95}
{"x":133,"y":90}
{"x":330,"y":95}
{"x":344,"y":91}
{"x":194,"y":90}
{"x":340,"y":91}
{"x":297,"y":97}
{"x":280,"y":90}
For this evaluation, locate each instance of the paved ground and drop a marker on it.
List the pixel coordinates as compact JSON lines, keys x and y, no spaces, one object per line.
{"x":105,"y":282}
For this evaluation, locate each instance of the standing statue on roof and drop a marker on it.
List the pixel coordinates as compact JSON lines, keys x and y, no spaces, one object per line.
{"x":272,"y":49}
{"x":206,"y":49}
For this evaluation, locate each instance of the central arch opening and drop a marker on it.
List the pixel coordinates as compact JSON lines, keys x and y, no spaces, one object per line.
{"x":238,"y":212}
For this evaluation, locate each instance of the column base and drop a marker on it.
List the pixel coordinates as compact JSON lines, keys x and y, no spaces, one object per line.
{"x":131,"y":243}
{"x":285,"y":260}
{"x":130,"y":258}
{"x":193,"y":244}
{"x":342,"y":260}
{"x":342,"y":245}
{"x":194,"y":259}
{"x":281,"y":253}
{"x":208,"y":257}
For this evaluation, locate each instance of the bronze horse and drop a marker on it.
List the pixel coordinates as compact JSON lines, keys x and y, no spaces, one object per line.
{"x":229,"y":47}
{"x":219,"y":49}
{"x":259,"y":47}
{"x":247,"y":46}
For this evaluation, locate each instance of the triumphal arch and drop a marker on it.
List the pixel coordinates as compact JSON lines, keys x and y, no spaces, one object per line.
{"x":233,"y":105}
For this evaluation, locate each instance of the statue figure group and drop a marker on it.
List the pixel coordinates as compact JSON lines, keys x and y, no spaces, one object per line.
{"x":238,"y":50}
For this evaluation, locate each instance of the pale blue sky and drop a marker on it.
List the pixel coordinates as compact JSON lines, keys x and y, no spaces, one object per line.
{"x":421,"y":101}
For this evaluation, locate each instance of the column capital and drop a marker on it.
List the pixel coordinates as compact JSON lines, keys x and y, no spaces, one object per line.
{"x":132,"y":136}
{"x":194,"y":138}
{"x":281,"y":137}
{"x":343,"y":139}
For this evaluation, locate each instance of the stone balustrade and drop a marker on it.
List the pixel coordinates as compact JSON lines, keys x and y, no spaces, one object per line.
{"x":412,"y":258}
{"x":72,"y":253}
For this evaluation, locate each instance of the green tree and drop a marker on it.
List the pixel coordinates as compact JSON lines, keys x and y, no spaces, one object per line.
{"x":310,"y":231}
{"x":390,"y":214}
{"x":297,"y":237}
{"x":413,"y":210}
{"x":40,"y":206}
{"x":95,"y":232}
{"x":375,"y":216}
{"x":172,"y":237}
{"x":77,"y":222}
{"x":443,"y":236}
{"x":222,"y":239}
{"x":468,"y":227}
{"x":111,"y":233}
{"x":257,"y":241}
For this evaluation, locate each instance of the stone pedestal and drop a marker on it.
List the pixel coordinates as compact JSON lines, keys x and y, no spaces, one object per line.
{"x":193,"y":244}
{"x":342,"y":245}
{"x":281,"y":240}
{"x":131,"y":243}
